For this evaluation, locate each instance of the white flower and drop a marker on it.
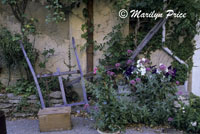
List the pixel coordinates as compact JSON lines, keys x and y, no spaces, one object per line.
{"x":143,"y":59}
{"x":194,"y":124}
{"x":138,"y":61}
{"x":158,"y":71}
{"x":166,"y":70}
{"x":183,"y":111}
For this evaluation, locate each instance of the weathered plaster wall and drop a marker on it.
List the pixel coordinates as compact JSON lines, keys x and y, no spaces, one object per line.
{"x":58,"y":36}
{"x":196,"y":68}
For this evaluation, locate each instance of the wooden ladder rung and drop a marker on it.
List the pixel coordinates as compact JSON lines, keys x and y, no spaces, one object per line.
{"x":58,"y":74}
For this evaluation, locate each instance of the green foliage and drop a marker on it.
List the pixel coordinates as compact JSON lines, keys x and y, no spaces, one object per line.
{"x":22,"y":87}
{"x":60,"y":9}
{"x":108,"y":110}
{"x":47,"y":53}
{"x":11,"y":52}
{"x":155,"y":95}
{"x":181,"y":72}
{"x":188,"y":116}
{"x":116,"y":46}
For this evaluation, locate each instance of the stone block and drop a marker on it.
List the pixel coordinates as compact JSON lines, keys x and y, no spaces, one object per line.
{"x":32,"y":97}
{"x":3,"y":106}
{"x":32,"y":101}
{"x":56,"y":101}
{"x":56,"y":95}
{"x":11,"y":96}
{"x":14,"y":101}
{"x":55,"y":119}
{"x":2,"y":96}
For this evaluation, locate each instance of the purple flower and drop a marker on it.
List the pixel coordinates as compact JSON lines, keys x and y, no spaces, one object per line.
{"x":162,"y":67}
{"x":177,"y":82}
{"x":170,"y":119}
{"x":148,"y":69}
{"x":129,"y":70}
{"x":138,"y":80}
{"x":180,"y":93}
{"x":110,"y":73}
{"x":117,"y":65}
{"x":129,"y":52}
{"x":129,"y":62}
{"x":132,"y":82}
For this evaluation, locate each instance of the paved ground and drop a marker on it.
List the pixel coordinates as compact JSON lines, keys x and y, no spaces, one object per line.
{"x":80,"y":126}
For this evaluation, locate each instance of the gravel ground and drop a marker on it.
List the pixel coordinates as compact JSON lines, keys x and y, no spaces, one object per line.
{"x":80,"y":126}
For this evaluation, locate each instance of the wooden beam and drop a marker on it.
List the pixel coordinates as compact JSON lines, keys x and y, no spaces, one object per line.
{"x":34,"y":75}
{"x":90,"y":47}
{"x":62,"y":88}
{"x":58,"y":74}
{"x":148,"y":37}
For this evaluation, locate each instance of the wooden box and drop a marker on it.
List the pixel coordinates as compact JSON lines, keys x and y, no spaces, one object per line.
{"x":55,"y":119}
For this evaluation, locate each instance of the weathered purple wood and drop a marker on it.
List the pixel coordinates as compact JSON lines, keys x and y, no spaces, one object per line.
{"x":148,"y":37}
{"x":34,"y":75}
{"x":75,"y":104}
{"x":58,"y":74}
{"x":62,"y":88}
{"x":81,"y":72}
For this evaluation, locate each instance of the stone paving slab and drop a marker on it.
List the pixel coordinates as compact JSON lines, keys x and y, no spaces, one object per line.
{"x":80,"y":126}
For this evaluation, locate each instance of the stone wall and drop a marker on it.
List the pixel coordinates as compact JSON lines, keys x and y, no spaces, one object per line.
{"x":20,"y":106}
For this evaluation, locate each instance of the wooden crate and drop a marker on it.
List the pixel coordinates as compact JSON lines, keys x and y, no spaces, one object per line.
{"x":54,"y":119}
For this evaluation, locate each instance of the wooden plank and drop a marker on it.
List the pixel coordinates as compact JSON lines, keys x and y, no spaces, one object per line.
{"x":81,"y":73}
{"x":76,"y":104}
{"x":62,"y":88}
{"x":148,"y":37}
{"x":34,"y":75}
{"x":168,"y":51}
{"x":58,"y":74}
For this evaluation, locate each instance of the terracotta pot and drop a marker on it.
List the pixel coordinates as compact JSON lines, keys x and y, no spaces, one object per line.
{"x":100,"y":132}
{"x":2,"y":123}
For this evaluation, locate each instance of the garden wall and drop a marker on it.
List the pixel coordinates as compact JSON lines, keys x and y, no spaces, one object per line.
{"x":57,"y":36}
{"x":22,"y":106}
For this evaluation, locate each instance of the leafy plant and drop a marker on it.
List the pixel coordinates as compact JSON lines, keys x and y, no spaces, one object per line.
{"x":12,"y":54}
{"x":181,"y":72}
{"x":108,"y":111}
{"x":187,"y":117}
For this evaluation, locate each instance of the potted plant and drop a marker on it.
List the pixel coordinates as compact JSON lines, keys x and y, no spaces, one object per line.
{"x":108,"y":109}
{"x":2,"y":123}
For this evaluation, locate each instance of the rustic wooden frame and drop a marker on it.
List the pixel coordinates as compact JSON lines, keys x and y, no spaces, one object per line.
{"x":59,"y":75}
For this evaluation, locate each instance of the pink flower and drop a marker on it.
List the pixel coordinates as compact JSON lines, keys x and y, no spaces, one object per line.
{"x":138,"y":80}
{"x":117,"y":65}
{"x":177,"y":82}
{"x":129,"y":52}
{"x":132,"y":82}
{"x":86,"y":106}
{"x":148,"y":69}
{"x":112,"y":73}
{"x":129,"y":62}
{"x":170,"y":119}
{"x":95,"y":70}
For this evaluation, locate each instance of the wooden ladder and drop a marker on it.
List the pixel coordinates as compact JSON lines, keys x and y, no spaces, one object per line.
{"x":59,"y":75}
